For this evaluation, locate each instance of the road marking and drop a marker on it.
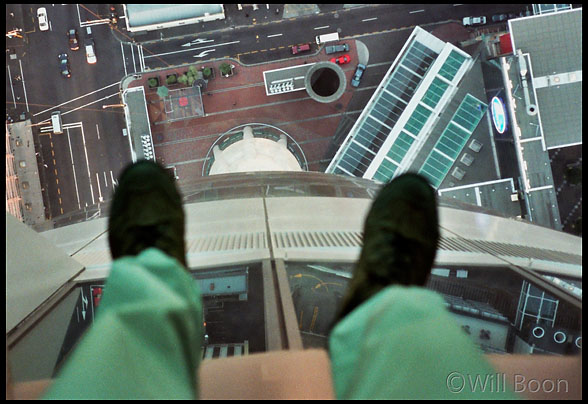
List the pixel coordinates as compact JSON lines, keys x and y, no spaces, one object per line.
{"x":105,"y":180}
{"x":197,"y":41}
{"x":98,"y":131}
{"x":274,"y":35}
{"x":10,"y":78}
{"x":58,"y":191}
{"x":416,"y":11}
{"x":204,"y":53}
{"x":61,"y":211}
{"x":75,"y":99}
{"x":73,"y":167}
{"x":123,"y":58}
{"x":55,"y":170}
{"x":60,"y":201}
{"x":369,"y":19}
{"x":90,"y":103}
{"x":314,"y":316}
{"x":141,"y":57}
{"x":87,"y":163}
{"x":112,"y":178}
{"x":99,"y":190}
{"x":79,"y":18}
{"x":189,"y":50}
{"x":300,"y":323}
{"x":23,"y":85}
{"x":57,"y":181}
{"x":326,"y":26}
{"x":52,"y":153}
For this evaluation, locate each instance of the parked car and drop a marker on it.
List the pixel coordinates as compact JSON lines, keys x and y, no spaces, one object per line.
{"x":43,"y":20}
{"x":470,"y":21}
{"x":337,"y":48}
{"x":300,"y":48}
{"x":64,"y":65}
{"x":499,"y":17}
{"x":357,"y":75}
{"x":89,"y":45}
{"x":74,"y":43}
{"x":341,"y":60}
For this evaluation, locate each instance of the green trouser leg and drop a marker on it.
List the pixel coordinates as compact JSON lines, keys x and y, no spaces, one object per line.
{"x":146,"y":338}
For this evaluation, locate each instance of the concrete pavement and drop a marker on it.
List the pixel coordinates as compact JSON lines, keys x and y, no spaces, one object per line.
{"x":239,"y":99}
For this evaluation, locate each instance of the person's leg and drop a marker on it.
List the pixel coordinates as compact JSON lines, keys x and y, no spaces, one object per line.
{"x":399,"y":241}
{"x":145,"y":340}
{"x":146,"y":211}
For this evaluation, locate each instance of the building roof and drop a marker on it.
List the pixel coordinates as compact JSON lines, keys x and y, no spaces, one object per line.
{"x":493,"y":195}
{"x":139,"y":128}
{"x":554,"y":44}
{"x":399,"y":118}
{"x":149,"y":14}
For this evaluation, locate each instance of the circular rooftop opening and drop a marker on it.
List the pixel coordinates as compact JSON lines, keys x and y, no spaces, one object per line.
{"x":325,"y":82}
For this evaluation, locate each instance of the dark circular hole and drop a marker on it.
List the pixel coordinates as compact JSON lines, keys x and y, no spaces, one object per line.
{"x":324,"y":82}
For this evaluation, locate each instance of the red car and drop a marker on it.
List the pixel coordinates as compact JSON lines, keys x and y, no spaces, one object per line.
{"x":341,"y":60}
{"x":300,"y":48}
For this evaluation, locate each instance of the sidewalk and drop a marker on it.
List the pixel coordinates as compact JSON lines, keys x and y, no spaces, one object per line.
{"x":240,"y":99}
{"x":234,"y":18}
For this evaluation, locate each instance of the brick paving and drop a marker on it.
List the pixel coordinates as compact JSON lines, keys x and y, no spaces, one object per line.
{"x":240,"y":99}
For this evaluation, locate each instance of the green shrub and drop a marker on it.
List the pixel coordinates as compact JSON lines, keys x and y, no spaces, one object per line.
{"x":171,"y":79}
{"x":225,"y":69}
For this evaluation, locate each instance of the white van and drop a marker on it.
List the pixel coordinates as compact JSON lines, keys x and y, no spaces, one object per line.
{"x":89,"y":45}
{"x":327,"y":38}
{"x":56,"y":122}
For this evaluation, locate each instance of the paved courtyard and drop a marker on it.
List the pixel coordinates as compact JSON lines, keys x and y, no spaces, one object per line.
{"x":241,"y":99}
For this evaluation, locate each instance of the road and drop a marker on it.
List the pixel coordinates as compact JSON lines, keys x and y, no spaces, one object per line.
{"x":80,"y":167}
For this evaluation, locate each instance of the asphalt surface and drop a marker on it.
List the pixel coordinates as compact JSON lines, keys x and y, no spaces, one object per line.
{"x":80,"y":167}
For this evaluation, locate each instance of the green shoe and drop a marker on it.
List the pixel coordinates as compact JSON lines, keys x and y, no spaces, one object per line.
{"x":399,"y":241}
{"x":146,"y":211}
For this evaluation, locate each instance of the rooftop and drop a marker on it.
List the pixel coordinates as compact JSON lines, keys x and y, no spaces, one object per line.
{"x":554,"y":44}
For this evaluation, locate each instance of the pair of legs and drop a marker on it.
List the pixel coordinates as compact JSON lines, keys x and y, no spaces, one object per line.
{"x":400,"y":235}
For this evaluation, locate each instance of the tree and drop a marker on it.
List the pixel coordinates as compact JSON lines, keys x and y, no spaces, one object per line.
{"x":171,"y":79}
{"x":183,"y":79}
{"x":153,"y":82}
{"x":225,"y":69}
{"x":192,"y":75}
{"x":206,"y":73}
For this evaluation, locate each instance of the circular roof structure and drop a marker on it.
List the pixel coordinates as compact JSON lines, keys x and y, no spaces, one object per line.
{"x":246,"y":151}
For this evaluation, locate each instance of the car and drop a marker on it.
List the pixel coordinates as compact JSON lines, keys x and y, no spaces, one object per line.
{"x":89,"y":46}
{"x":300,"y":48}
{"x":358,"y":74}
{"x":337,"y":48}
{"x":43,"y":20}
{"x":499,"y":17}
{"x":469,"y":21}
{"x":341,"y":60}
{"x":64,"y":65}
{"x":74,"y":43}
